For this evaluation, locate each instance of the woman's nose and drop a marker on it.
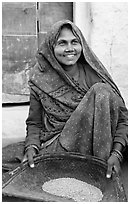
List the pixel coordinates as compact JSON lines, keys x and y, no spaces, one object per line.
{"x":69,"y":47}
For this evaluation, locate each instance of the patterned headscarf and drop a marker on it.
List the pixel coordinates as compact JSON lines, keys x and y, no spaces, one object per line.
{"x":49,"y":67}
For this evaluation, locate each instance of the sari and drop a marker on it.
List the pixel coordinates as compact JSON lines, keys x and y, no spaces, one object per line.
{"x":87,"y":115}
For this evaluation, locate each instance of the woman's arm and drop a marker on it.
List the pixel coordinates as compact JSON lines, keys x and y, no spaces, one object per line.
{"x":120,"y":141}
{"x":34,"y":122}
{"x":121,"y":135}
{"x":34,"y":125}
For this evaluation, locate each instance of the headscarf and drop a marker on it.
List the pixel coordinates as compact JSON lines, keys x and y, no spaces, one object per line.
{"x":48,"y":74}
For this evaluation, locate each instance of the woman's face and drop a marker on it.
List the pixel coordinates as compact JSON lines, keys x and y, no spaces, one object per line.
{"x":68,"y":48}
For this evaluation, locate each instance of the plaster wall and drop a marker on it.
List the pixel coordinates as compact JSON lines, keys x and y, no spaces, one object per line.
{"x":106,"y":31}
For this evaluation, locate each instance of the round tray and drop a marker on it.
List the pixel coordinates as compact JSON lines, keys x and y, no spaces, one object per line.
{"x":26,"y":183}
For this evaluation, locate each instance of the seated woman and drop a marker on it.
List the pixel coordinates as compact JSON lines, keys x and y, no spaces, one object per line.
{"x":74,"y":104}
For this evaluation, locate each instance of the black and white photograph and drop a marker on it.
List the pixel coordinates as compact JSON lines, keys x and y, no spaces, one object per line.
{"x":64,"y":101}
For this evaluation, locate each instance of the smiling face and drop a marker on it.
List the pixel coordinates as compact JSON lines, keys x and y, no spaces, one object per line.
{"x":67,"y":49}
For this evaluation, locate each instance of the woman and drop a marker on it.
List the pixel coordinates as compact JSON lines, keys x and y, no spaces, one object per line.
{"x":74,"y":104}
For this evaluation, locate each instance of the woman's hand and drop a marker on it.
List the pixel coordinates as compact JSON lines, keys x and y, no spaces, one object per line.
{"x":29,"y":155}
{"x":113,"y":164}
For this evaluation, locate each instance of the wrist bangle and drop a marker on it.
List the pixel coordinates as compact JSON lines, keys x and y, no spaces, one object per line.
{"x":117,"y":155}
{"x":116,"y":150}
{"x":30,"y":146}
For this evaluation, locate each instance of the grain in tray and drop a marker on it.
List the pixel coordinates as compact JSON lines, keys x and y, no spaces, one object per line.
{"x":73,"y":188}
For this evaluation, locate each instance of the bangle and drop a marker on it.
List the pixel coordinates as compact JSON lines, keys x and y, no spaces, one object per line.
{"x":117,"y":155}
{"x":30,"y":146}
{"x":118,"y":152}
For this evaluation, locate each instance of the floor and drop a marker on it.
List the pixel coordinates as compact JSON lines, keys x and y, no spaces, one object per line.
{"x":14,"y":130}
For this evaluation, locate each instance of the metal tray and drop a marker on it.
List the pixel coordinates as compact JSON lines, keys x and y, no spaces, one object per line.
{"x":25,"y":183}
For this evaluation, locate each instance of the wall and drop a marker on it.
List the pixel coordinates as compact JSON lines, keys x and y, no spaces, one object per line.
{"x":24,"y":25}
{"x":106,"y":31}
{"x":19,"y":43}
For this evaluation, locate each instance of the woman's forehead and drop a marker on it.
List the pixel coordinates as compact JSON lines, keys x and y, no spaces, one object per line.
{"x":66,"y":33}
{"x":54,"y":33}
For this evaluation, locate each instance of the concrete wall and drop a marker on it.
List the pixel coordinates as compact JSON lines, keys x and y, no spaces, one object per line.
{"x":106,"y":31}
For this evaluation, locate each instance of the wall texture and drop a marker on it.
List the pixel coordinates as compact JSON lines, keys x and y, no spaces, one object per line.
{"x":107,"y":33}
{"x":24,"y":25}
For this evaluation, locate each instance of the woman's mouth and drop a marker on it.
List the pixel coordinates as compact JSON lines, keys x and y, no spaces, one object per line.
{"x":69,"y":55}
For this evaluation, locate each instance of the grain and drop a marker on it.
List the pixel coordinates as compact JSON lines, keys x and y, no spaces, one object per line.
{"x":73,"y":188}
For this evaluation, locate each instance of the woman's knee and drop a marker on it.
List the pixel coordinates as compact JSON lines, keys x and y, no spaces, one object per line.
{"x":103,"y":90}
{"x":101,"y":86}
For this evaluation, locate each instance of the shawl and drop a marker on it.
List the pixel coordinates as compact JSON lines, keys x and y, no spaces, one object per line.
{"x":48,"y":74}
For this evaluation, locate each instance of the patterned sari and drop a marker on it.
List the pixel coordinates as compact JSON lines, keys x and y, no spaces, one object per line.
{"x":86,"y":115}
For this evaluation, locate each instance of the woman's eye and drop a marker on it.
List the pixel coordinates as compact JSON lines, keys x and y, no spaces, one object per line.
{"x":61,"y":43}
{"x":75,"y":42}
